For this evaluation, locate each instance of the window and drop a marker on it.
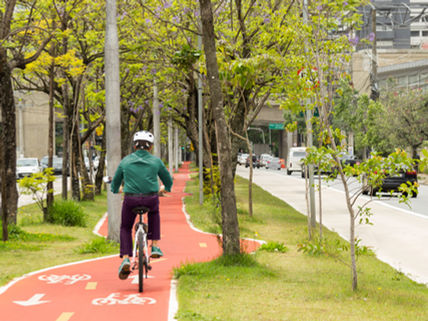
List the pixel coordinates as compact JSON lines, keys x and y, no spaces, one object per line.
{"x":413,"y":80}
{"x":424,"y":33}
{"x":414,"y":33}
{"x":424,"y":78}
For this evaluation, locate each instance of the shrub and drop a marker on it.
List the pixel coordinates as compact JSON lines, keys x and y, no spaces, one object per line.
{"x":98,"y":245}
{"x":67,"y":213}
{"x":274,"y":247}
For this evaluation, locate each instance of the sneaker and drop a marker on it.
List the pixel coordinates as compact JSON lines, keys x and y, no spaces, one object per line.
{"x":156,"y":252}
{"x":124,"y":269}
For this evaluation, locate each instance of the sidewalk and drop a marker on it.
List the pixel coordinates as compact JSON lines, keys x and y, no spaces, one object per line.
{"x":91,"y":290}
{"x":397,"y":238}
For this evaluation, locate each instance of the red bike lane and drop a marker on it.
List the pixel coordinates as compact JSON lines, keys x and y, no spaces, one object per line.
{"x":91,"y":290}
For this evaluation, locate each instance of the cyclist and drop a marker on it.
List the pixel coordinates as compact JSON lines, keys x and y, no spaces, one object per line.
{"x":139,"y":174}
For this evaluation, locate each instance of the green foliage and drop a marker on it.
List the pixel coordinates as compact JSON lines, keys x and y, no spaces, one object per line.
{"x":317,"y":247}
{"x":18,"y":234}
{"x":212,"y":182}
{"x":67,"y":213}
{"x":273,"y":246}
{"x":37,"y":186}
{"x":186,"y":57}
{"x":331,"y":247}
{"x":98,"y":245}
{"x":242,"y":260}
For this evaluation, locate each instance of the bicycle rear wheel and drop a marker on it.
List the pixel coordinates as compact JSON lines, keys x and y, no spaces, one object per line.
{"x":140,"y":264}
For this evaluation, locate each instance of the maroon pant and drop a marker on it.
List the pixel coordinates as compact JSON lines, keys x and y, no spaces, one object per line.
{"x":128,"y":219}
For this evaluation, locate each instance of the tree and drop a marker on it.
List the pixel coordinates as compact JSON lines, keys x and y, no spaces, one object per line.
{"x":328,"y":54}
{"x":231,"y":241}
{"x":15,"y":39}
{"x":405,"y":118}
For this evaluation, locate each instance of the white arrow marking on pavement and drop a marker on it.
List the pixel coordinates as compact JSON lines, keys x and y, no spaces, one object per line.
{"x":34,"y":300}
{"x":135,"y":278}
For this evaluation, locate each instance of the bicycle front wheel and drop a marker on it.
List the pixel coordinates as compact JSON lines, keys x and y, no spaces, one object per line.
{"x":140,"y":264}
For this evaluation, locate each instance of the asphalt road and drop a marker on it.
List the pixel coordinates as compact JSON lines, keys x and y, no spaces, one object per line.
{"x":398,"y":236}
{"x":417,"y":206}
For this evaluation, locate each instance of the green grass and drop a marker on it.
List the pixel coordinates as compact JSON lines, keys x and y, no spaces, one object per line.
{"x":35,"y":245}
{"x":290,"y":284}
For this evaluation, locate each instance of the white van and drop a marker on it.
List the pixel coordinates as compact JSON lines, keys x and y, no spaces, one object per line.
{"x":295,"y":154}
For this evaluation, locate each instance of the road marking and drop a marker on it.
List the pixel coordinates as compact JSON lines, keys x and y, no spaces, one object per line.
{"x":203,"y":244}
{"x":135,"y":278}
{"x":115,"y":298}
{"x":152,"y":261}
{"x":91,"y":286}
{"x":65,"y":316}
{"x":34,"y":300}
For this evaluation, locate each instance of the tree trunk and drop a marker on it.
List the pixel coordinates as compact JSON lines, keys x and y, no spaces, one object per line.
{"x":75,"y":161}
{"x":66,"y":145}
{"x":9,"y":193}
{"x":250,"y":178}
{"x":231,"y":245}
{"x":101,"y":167}
{"x":50,"y":185}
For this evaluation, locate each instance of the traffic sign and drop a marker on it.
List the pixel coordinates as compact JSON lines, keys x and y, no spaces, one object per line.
{"x":276,"y":125}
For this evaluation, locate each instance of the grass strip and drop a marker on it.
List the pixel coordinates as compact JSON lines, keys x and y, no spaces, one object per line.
{"x":290,"y":279}
{"x":34,"y":245}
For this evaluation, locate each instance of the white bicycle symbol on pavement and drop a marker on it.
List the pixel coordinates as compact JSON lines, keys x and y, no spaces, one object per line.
{"x":114,"y":298}
{"x":66,"y":279}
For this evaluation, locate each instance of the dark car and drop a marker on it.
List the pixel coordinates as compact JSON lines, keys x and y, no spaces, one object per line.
{"x":256,"y":161}
{"x":392,"y":183}
{"x":56,"y":164}
{"x":351,"y":160}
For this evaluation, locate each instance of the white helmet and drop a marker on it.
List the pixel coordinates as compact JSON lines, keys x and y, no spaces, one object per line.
{"x":144,"y":135}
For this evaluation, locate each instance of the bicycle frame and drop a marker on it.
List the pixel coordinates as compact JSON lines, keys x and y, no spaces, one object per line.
{"x":140,"y":233}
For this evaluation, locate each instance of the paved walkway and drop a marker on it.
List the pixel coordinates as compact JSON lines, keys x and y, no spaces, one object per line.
{"x":397,"y":237}
{"x":91,"y":290}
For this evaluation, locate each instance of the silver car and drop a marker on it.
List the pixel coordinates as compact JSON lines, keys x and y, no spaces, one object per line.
{"x":273,"y":163}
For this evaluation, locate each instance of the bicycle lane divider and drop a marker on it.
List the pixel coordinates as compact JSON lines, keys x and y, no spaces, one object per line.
{"x":91,"y":290}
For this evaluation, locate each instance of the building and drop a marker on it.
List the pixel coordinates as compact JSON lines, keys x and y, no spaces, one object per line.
{"x":32,"y":124}
{"x":401,"y":55}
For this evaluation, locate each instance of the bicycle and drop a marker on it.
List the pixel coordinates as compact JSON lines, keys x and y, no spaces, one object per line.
{"x":141,"y":246}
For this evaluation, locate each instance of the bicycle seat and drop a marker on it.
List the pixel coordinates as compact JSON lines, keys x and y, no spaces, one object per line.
{"x":140,"y":210}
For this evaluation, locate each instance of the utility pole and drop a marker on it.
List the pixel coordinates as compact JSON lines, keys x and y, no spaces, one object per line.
{"x":200,"y":132}
{"x":170,"y":147}
{"x":309,"y":139}
{"x":156,"y":120}
{"x":374,"y":93}
{"x":112,"y":84}
{"x":176,"y":148}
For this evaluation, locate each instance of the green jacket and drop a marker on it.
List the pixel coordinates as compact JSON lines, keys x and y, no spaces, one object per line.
{"x":140,"y":171}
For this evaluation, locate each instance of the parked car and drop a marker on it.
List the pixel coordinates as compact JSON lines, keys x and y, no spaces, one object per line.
{"x":56,"y":164}
{"x":242,"y":158}
{"x":328,"y":172}
{"x":347,"y":159}
{"x":391,"y":183}
{"x":256,"y":161}
{"x":264,"y":158}
{"x":294,"y":159}
{"x":27,"y":166}
{"x":273,"y":163}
